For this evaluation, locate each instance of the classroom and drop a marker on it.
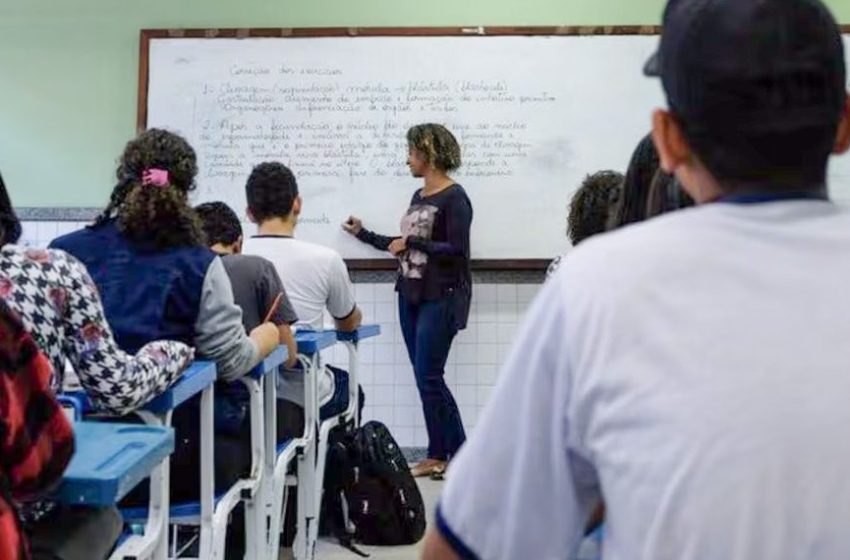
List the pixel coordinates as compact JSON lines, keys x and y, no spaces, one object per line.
{"x":458,"y":280}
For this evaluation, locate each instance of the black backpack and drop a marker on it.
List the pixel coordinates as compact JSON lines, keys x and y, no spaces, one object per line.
{"x":370,"y":496}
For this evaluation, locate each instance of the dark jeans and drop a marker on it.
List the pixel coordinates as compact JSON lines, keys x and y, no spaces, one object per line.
{"x":429,"y":328}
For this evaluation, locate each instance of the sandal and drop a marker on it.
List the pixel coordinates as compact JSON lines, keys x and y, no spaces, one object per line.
{"x":439,"y":472}
{"x":424,"y":468}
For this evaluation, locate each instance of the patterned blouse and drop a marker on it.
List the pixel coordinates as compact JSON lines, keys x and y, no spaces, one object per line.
{"x":60,"y":306}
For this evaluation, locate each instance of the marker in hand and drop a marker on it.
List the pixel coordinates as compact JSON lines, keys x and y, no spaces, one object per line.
{"x":353,"y":225}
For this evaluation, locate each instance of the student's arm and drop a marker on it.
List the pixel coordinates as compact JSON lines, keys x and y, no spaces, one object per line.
{"x":458,"y":223}
{"x":283,"y":315}
{"x":350,"y":323}
{"x":340,"y":303}
{"x":521,"y":487}
{"x":219,"y":334}
{"x":116,"y":381}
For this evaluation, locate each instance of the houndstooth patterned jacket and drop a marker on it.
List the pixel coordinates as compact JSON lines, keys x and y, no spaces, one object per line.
{"x":60,"y":307}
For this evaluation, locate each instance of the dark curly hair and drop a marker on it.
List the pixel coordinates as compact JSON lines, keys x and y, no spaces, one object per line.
{"x":642,"y":169}
{"x":592,"y":204}
{"x":159,"y":216}
{"x":271,"y":191}
{"x":437,"y":145}
{"x":220,"y":223}
{"x":10,"y":225}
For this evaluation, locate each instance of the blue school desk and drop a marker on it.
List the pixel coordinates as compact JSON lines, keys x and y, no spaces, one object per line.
{"x":110,"y":460}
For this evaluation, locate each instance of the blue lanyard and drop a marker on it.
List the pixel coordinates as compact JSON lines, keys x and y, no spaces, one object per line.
{"x":758,"y":198}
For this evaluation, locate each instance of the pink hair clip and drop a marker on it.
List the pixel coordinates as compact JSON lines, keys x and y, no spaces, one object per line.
{"x":155,"y":177}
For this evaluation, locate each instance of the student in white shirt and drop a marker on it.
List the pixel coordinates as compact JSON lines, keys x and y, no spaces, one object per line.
{"x":692,"y":370}
{"x":315,"y":277}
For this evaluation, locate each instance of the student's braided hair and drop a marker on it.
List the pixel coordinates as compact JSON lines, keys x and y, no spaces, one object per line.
{"x":438,"y":146}
{"x":150,"y":202}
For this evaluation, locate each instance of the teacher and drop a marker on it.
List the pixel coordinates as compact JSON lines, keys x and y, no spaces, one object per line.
{"x":434,"y":282}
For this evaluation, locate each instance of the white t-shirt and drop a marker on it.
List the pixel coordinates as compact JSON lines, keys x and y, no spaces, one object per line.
{"x":695,"y":371}
{"x":315,"y":278}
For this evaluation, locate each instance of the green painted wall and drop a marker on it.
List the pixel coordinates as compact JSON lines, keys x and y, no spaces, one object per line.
{"x":68,"y":68}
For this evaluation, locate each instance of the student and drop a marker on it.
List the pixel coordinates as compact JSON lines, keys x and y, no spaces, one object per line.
{"x":315,"y":277}
{"x":147,"y":256}
{"x":693,"y":369}
{"x":258,"y":291}
{"x":591,"y":208}
{"x":434,"y":282}
{"x":59,"y":306}
{"x":257,"y":288}
{"x":36,"y":443}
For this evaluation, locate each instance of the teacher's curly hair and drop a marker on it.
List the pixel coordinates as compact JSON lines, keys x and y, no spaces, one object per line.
{"x":436,"y":144}
{"x":155,"y":175}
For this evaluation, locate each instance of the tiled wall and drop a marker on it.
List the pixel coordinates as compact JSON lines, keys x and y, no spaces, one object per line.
{"x":386,"y":374}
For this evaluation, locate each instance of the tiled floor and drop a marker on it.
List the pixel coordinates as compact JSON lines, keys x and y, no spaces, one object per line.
{"x":329,"y":550}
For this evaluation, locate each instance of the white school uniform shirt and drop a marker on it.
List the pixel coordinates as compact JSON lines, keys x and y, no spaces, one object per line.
{"x":694,"y":371}
{"x":315,"y":278}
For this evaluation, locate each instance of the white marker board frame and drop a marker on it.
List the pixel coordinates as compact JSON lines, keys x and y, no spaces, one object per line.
{"x":150,"y":35}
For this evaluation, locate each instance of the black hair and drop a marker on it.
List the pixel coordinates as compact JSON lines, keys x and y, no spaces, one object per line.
{"x":666,"y":195}
{"x":10,"y":225}
{"x":271,"y":191}
{"x":642,"y":169}
{"x":592,"y":203}
{"x":220,"y":223}
{"x":768,"y":160}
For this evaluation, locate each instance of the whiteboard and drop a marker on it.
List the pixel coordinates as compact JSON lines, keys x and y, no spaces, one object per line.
{"x":533,"y":115}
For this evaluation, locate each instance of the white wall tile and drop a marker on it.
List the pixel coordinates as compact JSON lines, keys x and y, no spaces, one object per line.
{"x":385,"y":313}
{"x":483,"y":394}
{"x":385,"y":293}
{"x":406,"y":415}
{"x":404,"y":436}
{"x":403,"y":375}
{"x":483,"y":292}
{"x":504,"y":352}
{"x":506,"y":332}
{"x":365,"y":293}
{"x":487,"y":354}
{"x":466,"y":375}
{"x":384,"y":374}
{"x":465,"y":395}
{"x":487,"y":374}
{"x":384,"y":354}
{"x":466,"y":354}
{"x":406,"y":395}
{"x":488,"y":333}
{"x":527,"y":292}
{"x":383,"y":414}
{"x":506,"y":293}
{"x":383,"y":395}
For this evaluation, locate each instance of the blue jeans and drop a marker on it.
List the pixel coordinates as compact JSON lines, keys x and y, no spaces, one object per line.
{"x":429,"y":328}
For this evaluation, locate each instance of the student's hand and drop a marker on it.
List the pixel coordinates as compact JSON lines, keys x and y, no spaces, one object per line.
{"x":398,"y":246}
{"x":267,"y":338}
{"x":353,"y":225}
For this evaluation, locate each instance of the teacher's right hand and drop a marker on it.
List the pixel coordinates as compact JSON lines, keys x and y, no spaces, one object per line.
{"x":353,"y":225}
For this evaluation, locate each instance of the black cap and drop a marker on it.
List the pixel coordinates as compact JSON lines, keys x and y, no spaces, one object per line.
{"x":755,"y":65}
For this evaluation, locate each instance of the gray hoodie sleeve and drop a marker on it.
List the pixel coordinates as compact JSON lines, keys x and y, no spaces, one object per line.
{"x":220,"y":336}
